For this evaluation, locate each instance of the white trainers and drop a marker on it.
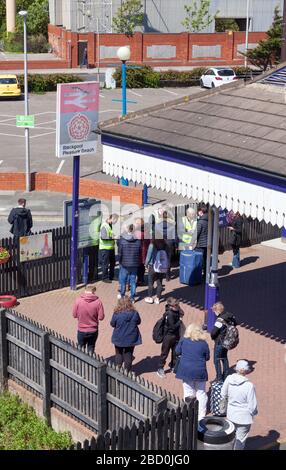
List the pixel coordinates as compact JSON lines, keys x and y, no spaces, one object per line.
{"x":119,"y":296}
{"x":149,"y":300}
{"x":161,"y":373}
{"x":157,"y":300}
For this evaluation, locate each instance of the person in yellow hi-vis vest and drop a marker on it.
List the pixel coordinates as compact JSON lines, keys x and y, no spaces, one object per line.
{"x":94,"y":232}
{"x":188,"y":230}
{"x":107,"y":248}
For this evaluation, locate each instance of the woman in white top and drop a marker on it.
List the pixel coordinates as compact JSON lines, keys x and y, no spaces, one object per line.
{"x":241,"y":402}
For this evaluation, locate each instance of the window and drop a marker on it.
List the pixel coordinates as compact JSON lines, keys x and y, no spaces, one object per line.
{"x":8,"y":81}
{"x":230,"y":24}
{"x":225,"y":73}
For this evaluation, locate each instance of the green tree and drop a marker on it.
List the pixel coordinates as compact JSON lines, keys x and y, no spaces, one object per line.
{"x":37,"y":19}
{"x":225,"y":24}
{"x":268,"y":52}
{"x":198,"y":16}
{"x":128,"y":16}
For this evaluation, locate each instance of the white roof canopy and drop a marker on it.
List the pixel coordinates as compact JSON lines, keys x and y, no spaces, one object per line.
{"x":249,"y":199}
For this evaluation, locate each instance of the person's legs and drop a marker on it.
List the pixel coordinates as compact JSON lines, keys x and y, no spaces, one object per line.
{"x":173,"y":353}
{"x":200,"y":387}
{"x":165,"y":349}
{"x":150,"y":281}
{"x":81,"y":339}
{"x":111,"y":264}
{"x":90,"y":341}
{"x":118,"y":356}
{"x":159,"y":279}
{"x":241,"y":433}
{"x":92,"y":263}
{"x":104,"y":261}
{"x":132,"y":280}
{"x":140,"y":274}
{"x":123,"y":276}
{"x":217,"y":357}
{"x":128,"y":357}
{"x":236,"y":257}
{"x":225,"y":363}
{"x":189,"y":389}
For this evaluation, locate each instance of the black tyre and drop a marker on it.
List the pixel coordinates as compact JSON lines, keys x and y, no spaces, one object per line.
{"x":202,"y":84}
{"x":213,"y":85}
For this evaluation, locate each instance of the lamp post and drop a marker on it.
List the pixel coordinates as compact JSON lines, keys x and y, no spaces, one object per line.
{"x":24,"y":14}
{"x":123,"y":54}
{"x":246,"y":32}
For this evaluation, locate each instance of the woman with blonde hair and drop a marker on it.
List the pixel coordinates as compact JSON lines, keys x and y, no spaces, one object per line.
{"x":194,"y":353}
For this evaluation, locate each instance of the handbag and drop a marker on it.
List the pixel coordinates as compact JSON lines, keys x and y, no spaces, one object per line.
{"x":223,"y":406}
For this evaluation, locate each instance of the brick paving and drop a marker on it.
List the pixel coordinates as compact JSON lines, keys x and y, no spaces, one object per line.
{"x":254,"y":293}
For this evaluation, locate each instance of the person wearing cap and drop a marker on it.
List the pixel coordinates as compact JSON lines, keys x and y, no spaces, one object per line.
{"x":241,"y":402}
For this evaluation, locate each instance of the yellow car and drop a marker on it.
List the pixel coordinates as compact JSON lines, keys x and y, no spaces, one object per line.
{"x":9,"y":86}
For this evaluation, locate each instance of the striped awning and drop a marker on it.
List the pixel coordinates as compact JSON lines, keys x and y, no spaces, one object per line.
{"x":256,"y":201}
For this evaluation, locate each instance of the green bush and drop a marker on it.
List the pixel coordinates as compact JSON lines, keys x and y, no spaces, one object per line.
{"x":35,"y":43}
{"x":141,"y":77}
{"x":38,"y":44}
{"x":188,"y":78}
{"x":41,"y":83}
{"x":21,"y":429}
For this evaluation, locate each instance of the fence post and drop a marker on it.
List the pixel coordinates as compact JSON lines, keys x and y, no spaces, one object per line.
{"x":101,"y":398}
{"x":3,"y":351}
{"x":46,"y":376}
{"x":161,"y":405}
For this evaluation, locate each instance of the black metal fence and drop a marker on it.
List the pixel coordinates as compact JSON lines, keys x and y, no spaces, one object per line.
{"x":170,"y":430}
{"x":85,"y":387}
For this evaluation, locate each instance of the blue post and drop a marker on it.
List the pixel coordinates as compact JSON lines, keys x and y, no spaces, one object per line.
{"x":75,"y":217}
{"x":283,"y":234}
{"x":213,"y":288}
{"x":123,"y":85}
{"x":85,"y":266}
{"x":145,"y":195}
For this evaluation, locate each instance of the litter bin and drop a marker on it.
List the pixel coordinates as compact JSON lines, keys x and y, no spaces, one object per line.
{"x":215,"y":433}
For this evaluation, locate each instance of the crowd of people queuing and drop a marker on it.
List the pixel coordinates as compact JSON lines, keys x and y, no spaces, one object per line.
{"x":188,"y":346}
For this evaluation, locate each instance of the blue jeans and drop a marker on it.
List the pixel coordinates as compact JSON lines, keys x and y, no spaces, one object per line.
{"x":127,"y":275}
{"x":236,"y":257}
{"x":220,"y":355}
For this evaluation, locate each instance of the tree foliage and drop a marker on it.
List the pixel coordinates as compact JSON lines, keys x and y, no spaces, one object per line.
{"x":226,"y":24}
{"x":198,"y":16}
{"x":128,"y":16}
{"x":37,"y":18}
{"x":268,"y":52}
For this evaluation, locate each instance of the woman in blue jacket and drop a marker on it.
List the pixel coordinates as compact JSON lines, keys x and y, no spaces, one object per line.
{"x":192,"y":370}
{"x":126,"y":334}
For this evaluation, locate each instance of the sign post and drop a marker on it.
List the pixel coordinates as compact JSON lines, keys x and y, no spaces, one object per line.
{"x":77,"y":118}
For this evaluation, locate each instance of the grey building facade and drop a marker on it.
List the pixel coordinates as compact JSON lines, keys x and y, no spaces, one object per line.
{"x":160,"y":16}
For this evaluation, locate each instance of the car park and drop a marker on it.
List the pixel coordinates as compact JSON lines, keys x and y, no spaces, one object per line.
{"x":217,"y":76}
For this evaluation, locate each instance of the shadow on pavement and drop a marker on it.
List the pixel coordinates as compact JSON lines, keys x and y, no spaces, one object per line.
{"x":148,"y":364}
{"x":268,"y":442}
{"x":256,"y":298}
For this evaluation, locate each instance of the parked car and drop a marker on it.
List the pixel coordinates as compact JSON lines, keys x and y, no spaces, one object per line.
{"x":9,"y":86}
{"x":217,"y":76}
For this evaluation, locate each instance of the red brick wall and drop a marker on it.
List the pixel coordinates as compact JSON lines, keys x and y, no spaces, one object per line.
{"x":139,"y":43}
{"x":63,"y":184}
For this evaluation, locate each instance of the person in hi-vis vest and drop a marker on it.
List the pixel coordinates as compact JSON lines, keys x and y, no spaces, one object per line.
{"x":188,"y":230}
{"x":107,"y":248}
{"x":94,"y":232}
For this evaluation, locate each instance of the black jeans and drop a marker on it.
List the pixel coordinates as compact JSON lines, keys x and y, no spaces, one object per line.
{"x":87,"y":339}
{"x":169,"y":343}
{"x":220,"y":355}
{"x":141,"y":274}
{"x":152,"y":277}
{"x":92,"y":263}
{"x":124,"y":354}
{"x":107,"y":261}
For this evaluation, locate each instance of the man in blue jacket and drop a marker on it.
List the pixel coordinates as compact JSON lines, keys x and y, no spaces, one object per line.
{"x":129,"y":253}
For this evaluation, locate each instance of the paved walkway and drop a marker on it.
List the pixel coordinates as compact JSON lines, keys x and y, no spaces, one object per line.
{"x":255,"y":293}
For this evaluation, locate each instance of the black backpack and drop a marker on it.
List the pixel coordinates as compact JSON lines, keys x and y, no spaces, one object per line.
{"x":158,"y":330}
{"x":231,"y":336}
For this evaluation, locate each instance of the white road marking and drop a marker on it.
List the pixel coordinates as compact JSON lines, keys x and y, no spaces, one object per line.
{"x":48,"y":122}
{"x":101,"y":96}
{"x":36,"y":127}
{"x":60,"y":167}
{"x":172,"y":92}
{"x":109,"y":110}
{"x":134,"y":93}
{"x":12,"y":135}
{"x":11,"y":119}
{"x":41,"y":135}
{"x":1,"y":161}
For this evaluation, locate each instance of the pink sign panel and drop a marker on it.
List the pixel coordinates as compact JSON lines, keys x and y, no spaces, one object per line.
{"x":77,"y":118}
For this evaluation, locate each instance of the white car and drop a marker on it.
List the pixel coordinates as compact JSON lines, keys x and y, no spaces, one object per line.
{"x":217,"y":76}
